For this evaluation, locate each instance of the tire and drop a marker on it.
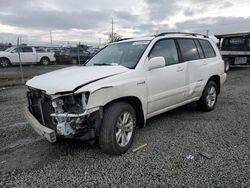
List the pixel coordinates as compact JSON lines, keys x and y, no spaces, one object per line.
{"x":4,"y":62}
{"x":74,"y":61}
{"x":209,"y":97}
{"x":114,"y":137}
{"x":45,"y":61}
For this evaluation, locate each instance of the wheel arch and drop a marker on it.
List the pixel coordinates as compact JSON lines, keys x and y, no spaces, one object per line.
{"x":44,"y":57}
{"x":216,"y":79}
{"x":136,"y":103}
{"x":5,"y":58}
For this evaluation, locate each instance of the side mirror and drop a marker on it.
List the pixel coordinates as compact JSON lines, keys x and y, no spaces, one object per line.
{"x":156,"y":62}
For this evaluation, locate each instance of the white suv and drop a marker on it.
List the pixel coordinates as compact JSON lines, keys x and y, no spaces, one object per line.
{"x":121,"y":87}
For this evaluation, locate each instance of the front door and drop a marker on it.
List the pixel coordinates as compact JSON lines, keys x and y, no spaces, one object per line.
{"x":167,"y":85}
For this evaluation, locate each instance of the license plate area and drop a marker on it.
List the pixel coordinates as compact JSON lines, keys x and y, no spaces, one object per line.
{"x":240,"y":60}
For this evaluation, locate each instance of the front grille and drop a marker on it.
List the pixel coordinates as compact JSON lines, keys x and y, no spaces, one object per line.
{"x":40,"y":105}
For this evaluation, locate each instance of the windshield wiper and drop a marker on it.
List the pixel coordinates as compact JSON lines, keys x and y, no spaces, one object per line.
{"x":105,"y":64}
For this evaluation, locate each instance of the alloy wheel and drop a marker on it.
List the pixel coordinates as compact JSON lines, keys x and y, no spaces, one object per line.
{"x":124,"y":129}
{"x":211,"y":97}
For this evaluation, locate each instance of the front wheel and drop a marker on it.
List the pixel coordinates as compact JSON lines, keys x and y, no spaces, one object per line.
{"x":209,"y":97}
{"x":4,"y":62}
{"x":118,"y":128}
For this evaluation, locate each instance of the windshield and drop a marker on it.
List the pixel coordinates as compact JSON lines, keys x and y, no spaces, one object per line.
{"x":9,"y":49}
{"x":126,"y":54}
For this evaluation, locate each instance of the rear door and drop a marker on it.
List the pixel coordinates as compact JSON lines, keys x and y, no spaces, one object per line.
{"x":28,"y":55}
{"x":193,"y":56}
{"x":211,"y":63}
{"x":166,"y":86}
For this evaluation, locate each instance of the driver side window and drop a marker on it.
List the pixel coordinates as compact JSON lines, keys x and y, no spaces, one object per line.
{"x":16,"y":50}
{"x":167,"y":49}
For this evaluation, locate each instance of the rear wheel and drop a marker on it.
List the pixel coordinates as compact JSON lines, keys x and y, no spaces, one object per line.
{"x":45,"y":61}
{"x":209,"y":97}
{"x":4,"y":62}
{"x":118,"y":128}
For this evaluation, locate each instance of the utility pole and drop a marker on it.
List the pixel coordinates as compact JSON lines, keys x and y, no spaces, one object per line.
{"x":50,"y":38}
{"x":78,"y":53}
{"x":19,"y":58}
{"x":112,"y":32}
{"x":207,"y":32}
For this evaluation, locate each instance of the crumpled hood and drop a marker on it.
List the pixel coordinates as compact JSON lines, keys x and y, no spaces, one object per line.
{"x":69,"y":79}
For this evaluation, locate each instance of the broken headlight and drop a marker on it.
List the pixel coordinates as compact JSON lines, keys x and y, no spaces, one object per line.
{"x":75,"y":103}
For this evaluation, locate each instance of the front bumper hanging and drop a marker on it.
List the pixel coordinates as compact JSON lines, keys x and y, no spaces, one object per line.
{"x":43,"y":131}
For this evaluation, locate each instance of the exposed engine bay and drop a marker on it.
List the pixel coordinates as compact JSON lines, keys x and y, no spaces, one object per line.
{"x":65,"y":114}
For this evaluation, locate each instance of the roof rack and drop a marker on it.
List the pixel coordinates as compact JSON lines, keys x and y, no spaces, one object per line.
{"x":175,"y":33}
{"x":122,"y":39}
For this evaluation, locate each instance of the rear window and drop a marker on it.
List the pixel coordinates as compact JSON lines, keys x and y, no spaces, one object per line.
{"x":188,"y":49}
{"x":207,"y":48}
{"x":27,"y":49}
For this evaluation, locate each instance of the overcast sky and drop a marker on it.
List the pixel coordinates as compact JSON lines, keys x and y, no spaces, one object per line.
{"x":89,"y":20}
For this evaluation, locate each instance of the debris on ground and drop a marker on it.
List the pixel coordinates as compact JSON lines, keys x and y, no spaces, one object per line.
{"x":206,"y":155}
{"x":190,"y":157}
{"x":139,"y":147}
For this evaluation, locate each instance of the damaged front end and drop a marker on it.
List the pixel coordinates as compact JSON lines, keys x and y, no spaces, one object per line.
{"x":66,"y":114}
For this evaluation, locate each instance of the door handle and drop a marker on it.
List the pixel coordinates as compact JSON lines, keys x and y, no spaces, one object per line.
{"x":179,"y":69}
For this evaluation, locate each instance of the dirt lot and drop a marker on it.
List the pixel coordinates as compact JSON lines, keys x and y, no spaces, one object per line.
{"x":28,"y":161}
{"x":11,"y":76}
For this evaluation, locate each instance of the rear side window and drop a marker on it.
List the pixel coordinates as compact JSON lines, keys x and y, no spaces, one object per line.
{"x":167,"y":49}
{"x":198,"y":46}
{"x":27,"y":49}
{"x":188,"y":49}
{"x":207,"y":48}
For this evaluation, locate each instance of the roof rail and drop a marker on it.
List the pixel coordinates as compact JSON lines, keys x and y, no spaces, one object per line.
{"x":176,"y":33}
{"x":122,"y":39}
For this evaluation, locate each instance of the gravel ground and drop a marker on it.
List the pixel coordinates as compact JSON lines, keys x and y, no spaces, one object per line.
{"x":28,"y":161}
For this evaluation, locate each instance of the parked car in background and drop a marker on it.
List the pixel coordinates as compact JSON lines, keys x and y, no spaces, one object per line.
{"x":28,"y":55}
{"x":94,"y":51}
{"x":235,"y":48}
{"x":56,"y":50}
{"x":122,"y":86}
{"x":73,"y":55}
